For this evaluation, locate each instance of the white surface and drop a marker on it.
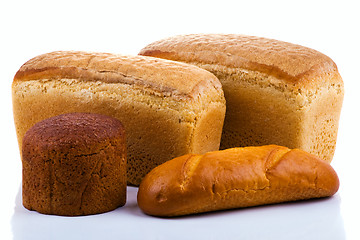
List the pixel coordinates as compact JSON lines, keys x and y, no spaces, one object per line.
{"x":316,"y":219}
{"x":29,"y":28}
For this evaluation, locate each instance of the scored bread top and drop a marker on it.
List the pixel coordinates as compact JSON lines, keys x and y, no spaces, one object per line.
{"x":156,"y":75}
{"x":291,"y":62}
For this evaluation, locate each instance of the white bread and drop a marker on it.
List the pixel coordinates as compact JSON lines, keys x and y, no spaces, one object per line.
{"x":235,"y":178}
{"x":276,"y":92}
{"x":168,"y":108}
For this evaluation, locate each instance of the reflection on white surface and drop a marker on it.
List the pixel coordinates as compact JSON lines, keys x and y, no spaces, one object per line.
{"x":315,"y":219}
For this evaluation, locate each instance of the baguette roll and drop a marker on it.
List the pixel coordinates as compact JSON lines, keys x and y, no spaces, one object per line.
{"x":235,"y":178}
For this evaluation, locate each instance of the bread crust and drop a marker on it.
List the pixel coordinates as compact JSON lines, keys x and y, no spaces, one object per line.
{"x":235,"y":178}
{"x":146,"y":72}
{"x":292,"y":63}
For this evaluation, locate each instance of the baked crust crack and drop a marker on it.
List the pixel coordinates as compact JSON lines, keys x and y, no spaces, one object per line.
{"x":188,"y":169}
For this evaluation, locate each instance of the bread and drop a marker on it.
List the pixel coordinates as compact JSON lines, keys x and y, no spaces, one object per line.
{"x":168,"y":108}
{"x":74,"y":164}
{"x":235,"y":178}
{"x":276,"y":92}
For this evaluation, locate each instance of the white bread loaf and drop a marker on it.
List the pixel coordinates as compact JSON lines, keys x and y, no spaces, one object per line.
{"x":276,"y":92}
{"x":168,"y":108}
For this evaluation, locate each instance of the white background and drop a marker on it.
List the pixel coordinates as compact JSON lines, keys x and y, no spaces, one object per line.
{"x":30,"y":28}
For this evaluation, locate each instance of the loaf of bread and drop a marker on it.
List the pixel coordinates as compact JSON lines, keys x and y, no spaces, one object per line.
{"x":235,"y":178}
{"x":74,"y":164}
{"x":168,"y":108}
{"x":276,"y":92}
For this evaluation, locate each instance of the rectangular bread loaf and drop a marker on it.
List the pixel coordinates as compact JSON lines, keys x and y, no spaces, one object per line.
{"x":276,"y":92}
{"x":167,"y":108}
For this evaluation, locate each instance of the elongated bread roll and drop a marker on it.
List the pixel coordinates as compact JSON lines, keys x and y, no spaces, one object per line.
{"x":276,"y":92}
{"x":168,"y":108}
{"x":235,"y":178}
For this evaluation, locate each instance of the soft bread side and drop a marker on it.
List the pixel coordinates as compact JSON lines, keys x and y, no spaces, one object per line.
{"x":235,"y":178}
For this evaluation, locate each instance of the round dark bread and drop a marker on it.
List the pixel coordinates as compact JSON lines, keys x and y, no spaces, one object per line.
{"x":74,"y":164}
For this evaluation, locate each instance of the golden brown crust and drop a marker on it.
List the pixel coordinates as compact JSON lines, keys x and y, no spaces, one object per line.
{"x":233,"y":178}
{"x":74,"y":164}
{"x":145,"y":72}
{"x":290,"y":62}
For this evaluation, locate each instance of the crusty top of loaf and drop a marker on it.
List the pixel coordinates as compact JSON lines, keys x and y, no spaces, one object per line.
{"x":80,"y":132}
{"x":291,"y":62}
{"x":153,"y":74}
